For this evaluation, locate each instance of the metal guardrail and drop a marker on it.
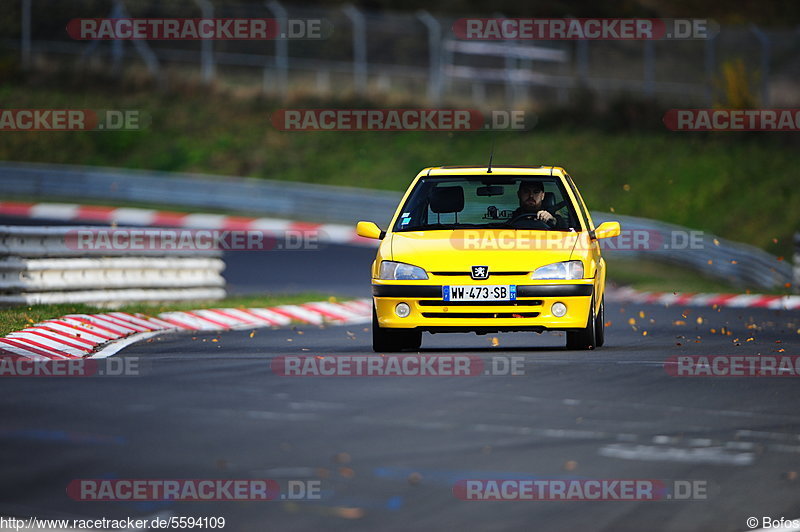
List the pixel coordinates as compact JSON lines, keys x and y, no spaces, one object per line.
{"x":740,"y":264}
{"x":299,"y":201}
{"x":796,"y":282}
{"x":38,"y":266}
{"x":737,"y":263}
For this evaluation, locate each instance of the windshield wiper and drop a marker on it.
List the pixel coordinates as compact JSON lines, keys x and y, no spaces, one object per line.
{"x":435,"y":227}
{"x":425,"y":227}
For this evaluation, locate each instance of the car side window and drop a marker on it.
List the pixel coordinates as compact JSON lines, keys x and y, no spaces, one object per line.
{"x":580,"y":204}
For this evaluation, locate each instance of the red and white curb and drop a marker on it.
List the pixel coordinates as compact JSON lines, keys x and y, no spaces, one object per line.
{"x":102,"y":335}
{"x":629,"y":295}
{"x":73,"y":212}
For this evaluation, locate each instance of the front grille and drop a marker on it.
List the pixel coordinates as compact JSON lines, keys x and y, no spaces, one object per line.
{"x":485,"y":315}
{"x":469,"y":274}
{"x":517,"y":303}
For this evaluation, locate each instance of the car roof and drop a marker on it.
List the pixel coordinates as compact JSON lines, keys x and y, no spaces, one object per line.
{"x":499,"y":169}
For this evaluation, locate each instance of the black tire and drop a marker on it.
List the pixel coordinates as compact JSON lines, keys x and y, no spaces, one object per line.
{"x":585,"y":338}
{"x":599,"y":325}
{"x":392,"y":340}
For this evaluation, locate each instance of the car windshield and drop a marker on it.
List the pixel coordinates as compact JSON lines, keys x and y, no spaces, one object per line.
{"x":488,"y":203}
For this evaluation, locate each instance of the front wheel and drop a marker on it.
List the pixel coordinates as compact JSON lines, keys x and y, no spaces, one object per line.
{"x":390,"y":340}
{"x":586,"y":338}
{"x":599,"y":325}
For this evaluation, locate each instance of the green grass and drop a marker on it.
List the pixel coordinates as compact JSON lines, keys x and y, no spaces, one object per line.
{"x":741,"y":187}
{"x":17,"y":318}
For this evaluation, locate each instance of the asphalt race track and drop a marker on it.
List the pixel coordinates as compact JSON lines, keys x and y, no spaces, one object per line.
{"x":331,"y":269}
{"x":388,"y":450}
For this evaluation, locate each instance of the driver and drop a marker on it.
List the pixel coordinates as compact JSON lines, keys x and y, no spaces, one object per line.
{"x":531,"y":198}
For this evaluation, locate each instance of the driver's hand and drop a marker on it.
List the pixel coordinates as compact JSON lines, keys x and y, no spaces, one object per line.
{"x":545,"y":216}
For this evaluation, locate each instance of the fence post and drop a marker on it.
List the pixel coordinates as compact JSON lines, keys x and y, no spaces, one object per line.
{"x":649,"y":68}
{"x":281,"y":49}
{"x":117,"y":11}
{"x":141,"y":46}
{"x":711,"y":67}
{"x":510,"y":64}
{"x":434,"y":56}
{"x":447,"y":61}
{"x":359,"y":47}
{"x":207,"y":45}
{"x":582,"y":53}
{"x":765,"y":55}
{"x":25,"y":42}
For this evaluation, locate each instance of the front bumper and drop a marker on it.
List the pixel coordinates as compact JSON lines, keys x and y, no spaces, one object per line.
{"x":530,"y":311}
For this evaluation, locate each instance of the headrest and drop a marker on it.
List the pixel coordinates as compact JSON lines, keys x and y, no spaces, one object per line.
{"x":549,"y":201}
{"x":447,"y":199}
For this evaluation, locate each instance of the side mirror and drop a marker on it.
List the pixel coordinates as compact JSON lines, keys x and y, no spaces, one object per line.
{"x":370,"y":230}
{"x":607,"y":230}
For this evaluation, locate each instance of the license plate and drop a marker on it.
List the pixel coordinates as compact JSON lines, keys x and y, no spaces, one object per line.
{"x":480,"y":293}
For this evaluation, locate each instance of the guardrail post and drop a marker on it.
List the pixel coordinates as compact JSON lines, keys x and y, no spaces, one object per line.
{"x":478,"y":92}
{"x":25,"y":39}
{"x":281,"y":49}
{"x":796,"y":276}
{"x":765,"y":55}
{"x":207,"y":45}
{"x":359,"y":47}
{"x":434,"y":56}
{"x":323,"y":81}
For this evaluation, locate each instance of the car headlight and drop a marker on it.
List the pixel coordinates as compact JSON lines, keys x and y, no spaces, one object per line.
{"x":400,"y":271}
{"x":571,"y":269}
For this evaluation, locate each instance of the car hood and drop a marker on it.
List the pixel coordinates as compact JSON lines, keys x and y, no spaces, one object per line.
{"x":500,"y":249}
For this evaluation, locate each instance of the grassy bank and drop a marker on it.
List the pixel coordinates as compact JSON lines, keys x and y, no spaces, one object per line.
{"x":739,"y":186}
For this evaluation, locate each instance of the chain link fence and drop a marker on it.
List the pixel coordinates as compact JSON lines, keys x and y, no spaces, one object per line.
{"x":408,"y":56}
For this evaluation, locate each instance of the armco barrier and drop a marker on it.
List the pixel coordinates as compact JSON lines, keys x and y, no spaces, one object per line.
{"x":797,"y":262}
{"x":740,"y":264}
{"x":298,"y":201}
{"x":37,"y":266}
{"x":737,"y":263}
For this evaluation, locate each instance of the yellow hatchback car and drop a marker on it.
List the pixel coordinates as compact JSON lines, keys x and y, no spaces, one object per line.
{"x":489,"y":249}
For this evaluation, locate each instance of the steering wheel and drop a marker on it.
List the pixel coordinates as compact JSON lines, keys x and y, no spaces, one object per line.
{"x":531,"y":221}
